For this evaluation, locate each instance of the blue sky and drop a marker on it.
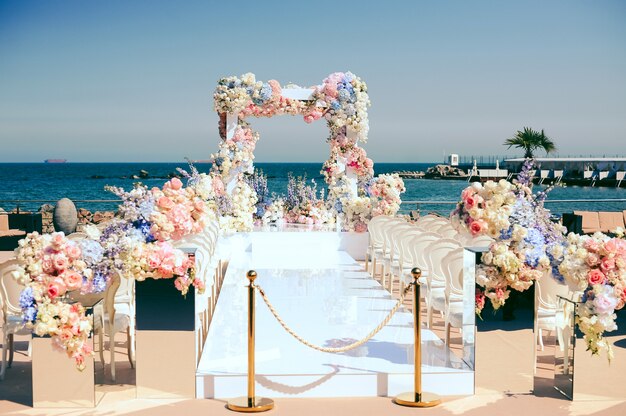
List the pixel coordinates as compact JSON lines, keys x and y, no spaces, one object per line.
{"x":133,"y":80}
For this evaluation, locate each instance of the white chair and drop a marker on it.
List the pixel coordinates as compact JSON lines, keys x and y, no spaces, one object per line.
{"x":78,"y":235}
{"x":118,"y":314}
{"x":12,"y":318}
{"x":453,"y":309}
{"x":481,"y":241}
{"x":380,"y":252}
{"x":392,"y":256}
{"x":436,"y":279}
{"x":374,"y":241}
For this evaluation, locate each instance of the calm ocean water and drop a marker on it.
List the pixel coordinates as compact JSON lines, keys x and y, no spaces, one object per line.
{"x":81,"y":181}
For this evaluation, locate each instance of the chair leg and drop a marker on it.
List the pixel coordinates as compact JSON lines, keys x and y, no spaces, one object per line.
{"x":4,"y":356}
{"x":448,"y":334}
{"x":11,"y":349}
{"x":30,"y":347}
{"x":540,"y":338}
{"x":112,"y":352}
{"x":130,"y":347}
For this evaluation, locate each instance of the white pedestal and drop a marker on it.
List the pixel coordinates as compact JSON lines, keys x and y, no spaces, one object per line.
{"x":56,"y":380}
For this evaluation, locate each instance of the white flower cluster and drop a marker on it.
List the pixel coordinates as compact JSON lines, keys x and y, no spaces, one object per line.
{"x":274,"y":212}
{"x":231,"y":94}
{"x":243,"y":201}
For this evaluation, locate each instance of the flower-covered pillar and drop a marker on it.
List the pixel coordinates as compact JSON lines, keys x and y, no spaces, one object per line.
{"x":232,"y":121}
{"x":348,"y":171}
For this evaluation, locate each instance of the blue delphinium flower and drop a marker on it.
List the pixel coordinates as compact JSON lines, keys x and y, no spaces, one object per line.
{"x":535,"y":247}
{"x":99,"y":283}
{"x":335,"y":105}
{"x":28,"y":304}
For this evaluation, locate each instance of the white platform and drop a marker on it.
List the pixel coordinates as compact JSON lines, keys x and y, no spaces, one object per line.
{"x":327,"y":298}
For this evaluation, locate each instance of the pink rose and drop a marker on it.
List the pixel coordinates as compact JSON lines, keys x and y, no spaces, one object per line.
{"x":218,"y":186}
{"x":595,"y":277}
{"x":176,"y":184}
{"x":592,"y":259}
{"x":360,"y":227}
{"x":467,"y":192}
{"x":165,"y":203}
{"x":54,"y":290}
{"x":60,"y":262}
{"x":470,"y":202}
{"x":308,"y":119}
{"x":591,"y":245}
{"x":72,"y":280}
{"x":478,"y":226}
{"x":276,"y":90}
{"x":47,"y":265}
{"x":73,"y":251}
{"x":607,"y":264}
{"x":58,"y":239}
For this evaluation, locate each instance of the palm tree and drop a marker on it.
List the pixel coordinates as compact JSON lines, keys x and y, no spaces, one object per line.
{"x":531,"y":140}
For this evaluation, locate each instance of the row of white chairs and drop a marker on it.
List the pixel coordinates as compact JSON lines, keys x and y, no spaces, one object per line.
{"x":209,"y":268}
{"x":431,"y":244}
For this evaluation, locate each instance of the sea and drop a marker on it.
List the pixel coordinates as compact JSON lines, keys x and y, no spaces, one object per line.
{"x":46,"y":183}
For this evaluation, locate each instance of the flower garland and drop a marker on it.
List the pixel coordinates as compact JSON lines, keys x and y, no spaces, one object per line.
{"x":596,"y":266}
{"x":135,"y":245}
{"x":342,"y":100}
{"x":51,"y":265}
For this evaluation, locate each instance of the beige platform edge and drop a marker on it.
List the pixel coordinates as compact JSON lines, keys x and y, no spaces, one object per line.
{"x":166,"y":364}
{"x":56,"y":380}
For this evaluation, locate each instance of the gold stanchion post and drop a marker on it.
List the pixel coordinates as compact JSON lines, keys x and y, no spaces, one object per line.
{"x":251,"y":403}
{"x":417,"y":398}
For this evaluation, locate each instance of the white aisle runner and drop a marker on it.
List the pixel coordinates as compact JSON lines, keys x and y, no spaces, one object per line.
{"x":327,"y":298}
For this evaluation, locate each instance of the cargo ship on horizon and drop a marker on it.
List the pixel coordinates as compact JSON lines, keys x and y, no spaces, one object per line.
{"x":55,"y":161}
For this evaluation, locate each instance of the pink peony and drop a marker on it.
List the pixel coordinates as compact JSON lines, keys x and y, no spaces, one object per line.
{"x":604,"y":303}
{"x":595,"y":277}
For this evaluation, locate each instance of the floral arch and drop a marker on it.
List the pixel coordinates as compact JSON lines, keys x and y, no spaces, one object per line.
{"x":342,"y":100}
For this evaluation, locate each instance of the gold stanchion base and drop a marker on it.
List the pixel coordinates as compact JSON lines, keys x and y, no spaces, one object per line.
{"x":411,"y":399}
{"x":258,"y":404}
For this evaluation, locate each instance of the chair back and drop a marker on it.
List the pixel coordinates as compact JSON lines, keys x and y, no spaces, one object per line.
{"x":448,"y":232}
{"x":10,"y":289}
{"x":78,"y":235}
{"x":418,"y":246}
{"x":453,"y":267}
{"x":547,"y":290}
{"x":437,"y":251}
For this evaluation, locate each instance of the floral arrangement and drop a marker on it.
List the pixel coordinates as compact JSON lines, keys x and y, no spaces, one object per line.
{"x":51,"y":265}
{"x":528,"y":244}
{"x":236,"y":211}
{"x":303,"y":205}
{"x":485,"y":209}
{"x":341,"y":100}
{"x":384,"y":192}
{"x":178,"y":211}
{"x":596,"y":266}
